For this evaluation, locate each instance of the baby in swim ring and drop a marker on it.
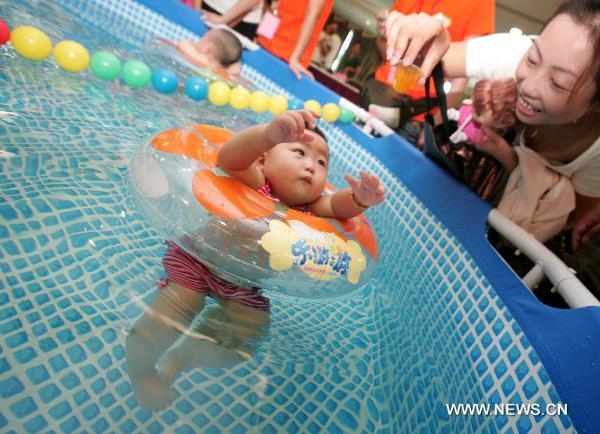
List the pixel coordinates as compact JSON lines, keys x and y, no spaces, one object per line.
{"x":218,"y":50}
{"x":286,"y":160}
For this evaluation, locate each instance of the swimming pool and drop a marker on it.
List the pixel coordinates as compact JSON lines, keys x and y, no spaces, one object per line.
{"x":78,"y":261}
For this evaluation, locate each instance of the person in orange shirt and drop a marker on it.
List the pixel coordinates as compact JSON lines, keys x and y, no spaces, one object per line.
{"x":464,"y":19}
{"x":297,"y":34}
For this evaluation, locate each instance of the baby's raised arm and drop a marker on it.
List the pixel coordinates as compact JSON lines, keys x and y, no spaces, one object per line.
{"x":238,"y":156}
{"x":350,"y":202}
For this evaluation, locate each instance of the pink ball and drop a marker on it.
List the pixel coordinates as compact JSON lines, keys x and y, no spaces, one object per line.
{"x":4,"y":32}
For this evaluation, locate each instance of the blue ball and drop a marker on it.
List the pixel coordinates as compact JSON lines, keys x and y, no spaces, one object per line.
{"x":164,"y":81}
{"x":196,"y":88}
{"x":295,"y":104}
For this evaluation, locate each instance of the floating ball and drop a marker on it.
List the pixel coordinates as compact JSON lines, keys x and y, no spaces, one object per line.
{"x":331,"y":112}
{"x":259,"y":101}
{"x":296,"y":104}
{"x":105,"y":65}
{"x":278,"y":104}
{"x":196,"y":88}
{"x":71,"y":56}
{"x":4,"y":32}
{"x":31,"y":43}
{"x":136,"y":73}
{"x":346,"y":116}
{"x":313,"y":106}
{"x":240,"y":98}
{"x":164,"y":81}
{"x":218,"y":93}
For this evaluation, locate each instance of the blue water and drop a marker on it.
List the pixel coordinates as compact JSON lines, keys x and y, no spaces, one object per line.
{"x":79,"y":266}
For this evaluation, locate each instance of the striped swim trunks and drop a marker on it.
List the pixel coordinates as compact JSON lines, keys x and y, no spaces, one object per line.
{"x":185,"y":270}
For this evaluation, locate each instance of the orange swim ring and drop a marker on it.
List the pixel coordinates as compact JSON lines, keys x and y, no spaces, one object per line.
{"x":239,"y":233}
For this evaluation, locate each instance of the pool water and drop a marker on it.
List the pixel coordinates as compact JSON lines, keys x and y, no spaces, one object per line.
{"x":79,"y":266}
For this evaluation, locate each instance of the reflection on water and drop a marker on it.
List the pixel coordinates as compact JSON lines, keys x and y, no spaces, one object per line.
{"x":70,"y":137}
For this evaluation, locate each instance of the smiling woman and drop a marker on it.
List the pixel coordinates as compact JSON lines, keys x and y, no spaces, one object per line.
{"x":558,"y":86}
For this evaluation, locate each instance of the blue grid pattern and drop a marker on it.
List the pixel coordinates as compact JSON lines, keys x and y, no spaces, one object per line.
{"x":76,"y":258}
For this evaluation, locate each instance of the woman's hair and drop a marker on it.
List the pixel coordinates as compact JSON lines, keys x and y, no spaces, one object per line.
{"x":586,"y":13}
{"x":499,"y":98}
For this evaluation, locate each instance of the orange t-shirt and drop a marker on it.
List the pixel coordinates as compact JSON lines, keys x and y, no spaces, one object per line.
{"x":468,"y":18}
{"x":291,"y":14}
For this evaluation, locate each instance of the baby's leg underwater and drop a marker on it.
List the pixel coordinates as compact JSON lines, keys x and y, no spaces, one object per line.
{"x":162,"y":323}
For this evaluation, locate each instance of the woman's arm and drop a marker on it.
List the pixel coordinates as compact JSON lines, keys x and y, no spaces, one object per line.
{"x":235,"y":14}
{"x":308,"y":27}
{"x":492,"y":56}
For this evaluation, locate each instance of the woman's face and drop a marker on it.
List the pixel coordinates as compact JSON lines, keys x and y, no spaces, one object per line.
{"x":553,"y":79}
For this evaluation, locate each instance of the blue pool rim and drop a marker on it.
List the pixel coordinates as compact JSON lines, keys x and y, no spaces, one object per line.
{"x":566,"y":340}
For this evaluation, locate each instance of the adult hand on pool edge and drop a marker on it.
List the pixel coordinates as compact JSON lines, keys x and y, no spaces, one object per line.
{"x":298,"y":69}
{"x":585,"y":229}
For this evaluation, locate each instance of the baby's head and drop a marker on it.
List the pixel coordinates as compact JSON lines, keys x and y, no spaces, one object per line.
{"x":297,"y":171}
{"x":221,"y":47}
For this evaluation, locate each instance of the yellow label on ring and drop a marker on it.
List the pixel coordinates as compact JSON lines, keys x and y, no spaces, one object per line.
{"x":321,"y":255}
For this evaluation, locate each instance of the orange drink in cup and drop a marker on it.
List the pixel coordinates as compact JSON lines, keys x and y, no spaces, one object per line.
{"x":406,"y":77}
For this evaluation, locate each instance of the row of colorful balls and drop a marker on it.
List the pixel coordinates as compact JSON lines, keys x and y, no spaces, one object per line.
{"x":33,"y":44}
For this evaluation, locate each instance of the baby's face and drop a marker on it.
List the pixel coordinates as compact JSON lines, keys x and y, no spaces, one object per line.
{"x":298,"y":171}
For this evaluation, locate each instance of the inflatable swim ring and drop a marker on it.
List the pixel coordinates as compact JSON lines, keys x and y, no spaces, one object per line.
{"x":243,"y":236}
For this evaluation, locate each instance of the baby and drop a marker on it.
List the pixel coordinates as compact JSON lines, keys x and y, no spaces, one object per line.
{"x":218,"y":50}
{"x":286,"y":160}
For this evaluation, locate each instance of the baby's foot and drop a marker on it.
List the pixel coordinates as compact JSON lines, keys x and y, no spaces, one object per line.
{"x":197,"y":353}
{"x":151,"y":392}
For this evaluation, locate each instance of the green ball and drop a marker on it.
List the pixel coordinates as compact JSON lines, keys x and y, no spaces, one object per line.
{"x":346,"y":116}
{"x":136,"y":73}
{"x":105,"y":65}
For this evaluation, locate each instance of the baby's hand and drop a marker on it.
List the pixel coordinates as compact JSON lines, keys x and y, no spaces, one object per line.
{"x":367,"y":191}
{"x":290,"y":127}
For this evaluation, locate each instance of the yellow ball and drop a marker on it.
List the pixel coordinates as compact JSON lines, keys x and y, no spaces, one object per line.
{"x":259,"y":101}
{"x":71,"y":56}
{"x":331,"y":112}
{"x":313,"y":106}
{"x":31,"y":43}
{"x":278,"y":104}
{"x":218,"y":93}
{"x":240,"y":98}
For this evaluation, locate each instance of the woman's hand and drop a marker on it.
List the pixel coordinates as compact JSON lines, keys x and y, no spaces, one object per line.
{"x":416,"y":36}
{"x":367,"y":190}
{"x":213,"y":18}
{"x":587,"y":228}
{"x":290,"y":127}
{"x":298,"y":69}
